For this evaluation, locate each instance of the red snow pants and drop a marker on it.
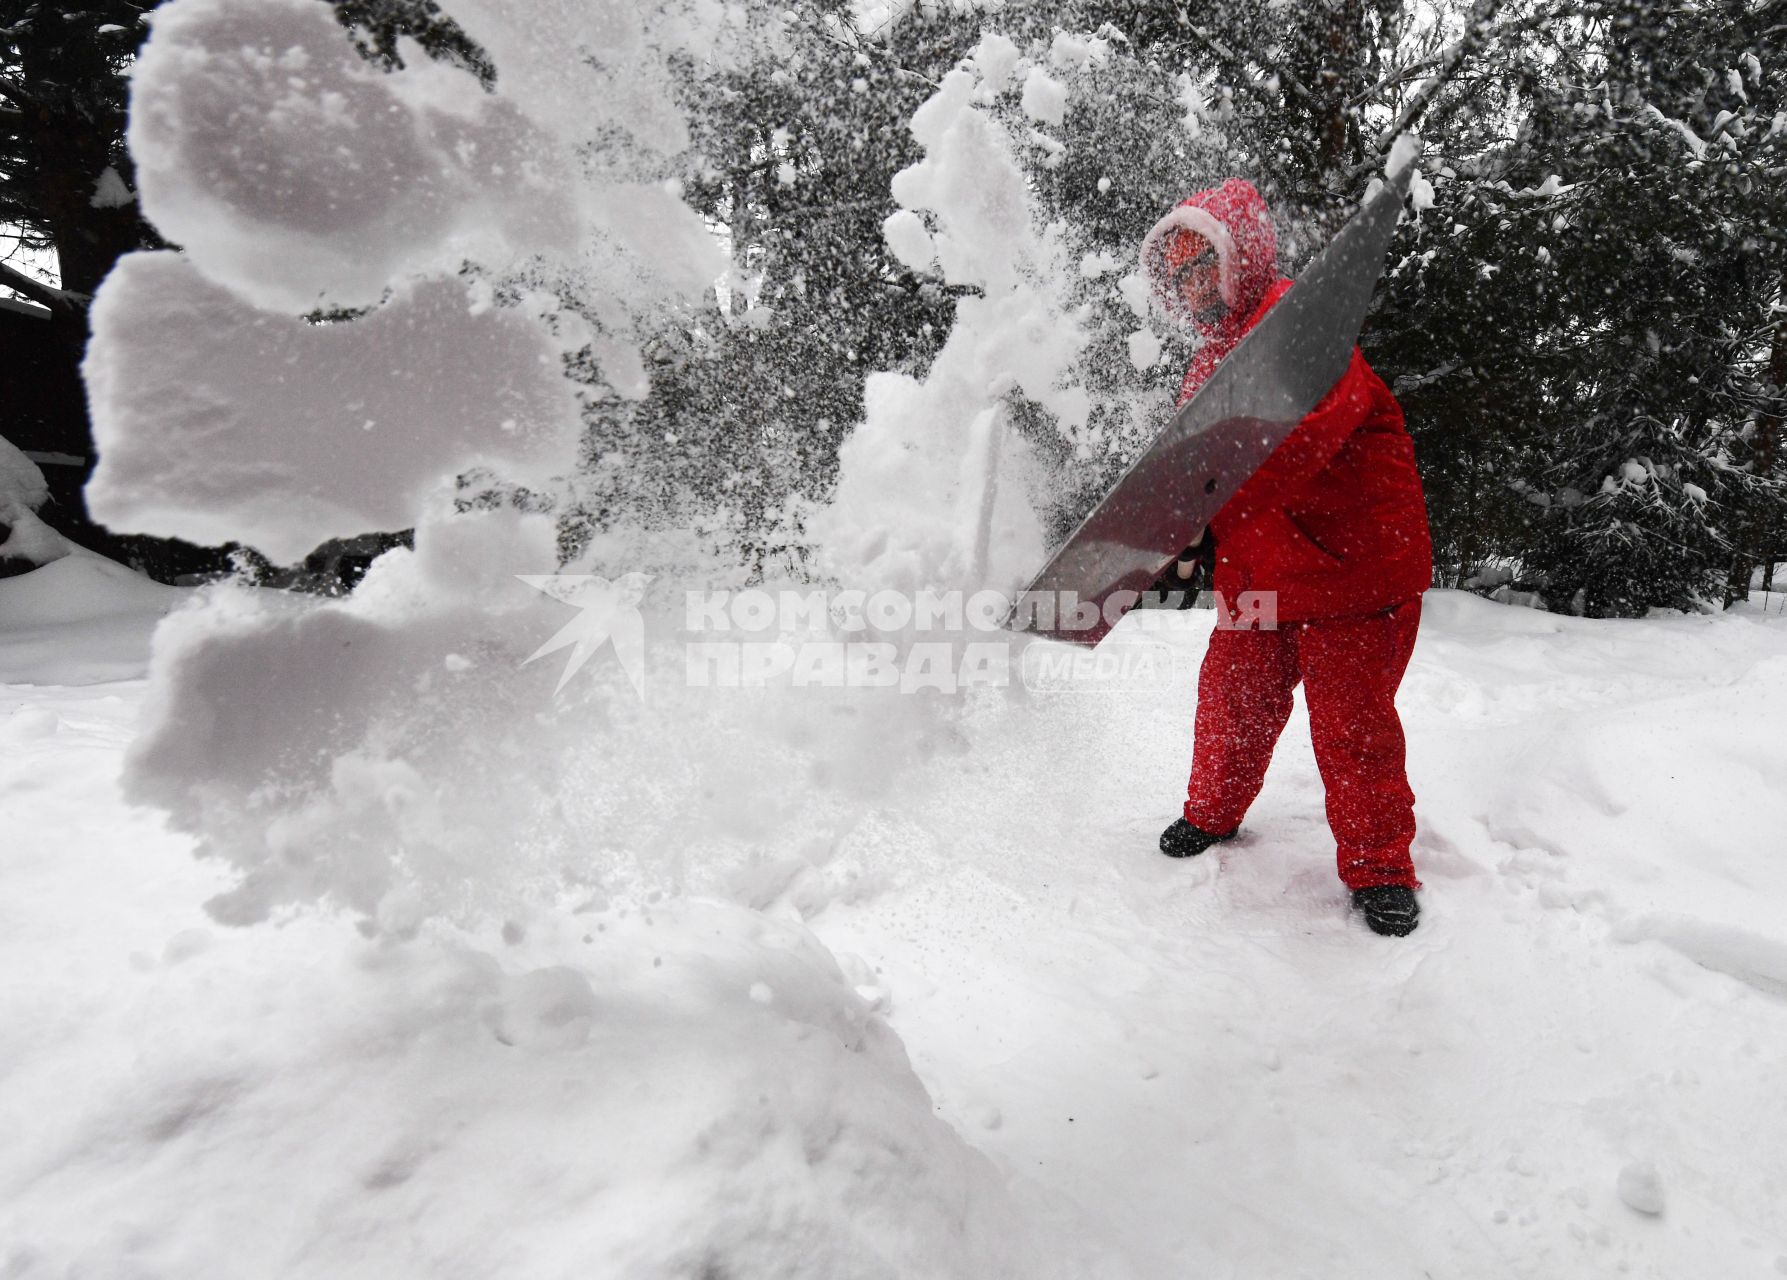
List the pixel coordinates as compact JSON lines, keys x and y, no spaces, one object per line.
{"x":1350,"y":668}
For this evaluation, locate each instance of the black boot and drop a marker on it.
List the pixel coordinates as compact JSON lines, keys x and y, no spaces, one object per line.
{"x":1182,"y":840}
{"x":1390,"y":909}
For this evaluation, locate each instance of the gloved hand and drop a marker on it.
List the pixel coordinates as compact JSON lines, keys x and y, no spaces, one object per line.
{"x":1178,"y":586}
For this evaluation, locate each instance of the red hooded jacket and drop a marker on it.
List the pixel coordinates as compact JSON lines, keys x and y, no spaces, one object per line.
{"x":1334,"y":521}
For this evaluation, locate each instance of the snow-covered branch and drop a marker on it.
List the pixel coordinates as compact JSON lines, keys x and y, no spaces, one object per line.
{"x":1478,"y":32}
{"x":39,"y":292}
{"x":1443,"y":62}
{"x":867,"y":47}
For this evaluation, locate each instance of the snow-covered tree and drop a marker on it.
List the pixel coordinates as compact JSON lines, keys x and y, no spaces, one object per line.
{"x":1585,"y":318}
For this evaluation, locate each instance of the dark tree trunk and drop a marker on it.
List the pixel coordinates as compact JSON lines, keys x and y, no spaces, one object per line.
{"x":1327,"y":59}
{"x":1760,"y":537}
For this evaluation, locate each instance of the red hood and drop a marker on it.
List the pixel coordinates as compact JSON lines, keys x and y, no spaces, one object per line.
{"x":1232,"y":217}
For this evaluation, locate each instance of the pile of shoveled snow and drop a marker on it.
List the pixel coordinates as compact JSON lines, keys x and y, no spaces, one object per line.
{"x":25,"y":540}
{"x":67,"y":616}
{"x":686,"y":1090}
{"x":80,"y":619}
{"x":629,"y":1086}
{"x":22,"y":486}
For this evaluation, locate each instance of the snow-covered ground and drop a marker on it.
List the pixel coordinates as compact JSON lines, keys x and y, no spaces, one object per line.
{"x":789,"y":984}
{"x":1196,"y":1069}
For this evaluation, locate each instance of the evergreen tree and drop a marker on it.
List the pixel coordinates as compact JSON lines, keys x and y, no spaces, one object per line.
{"x":1587,"y":310}
{"x":67,"y":194}
{"x":65,"y":177}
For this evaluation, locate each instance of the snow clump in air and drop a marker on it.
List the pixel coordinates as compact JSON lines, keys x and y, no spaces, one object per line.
{"x":297,"y":175}
{"x":940,"y":444}
{"x":390,"y":753}
{"x":1045,"y":98}
{"x":384,"y":412}
{"x":250,"y":130}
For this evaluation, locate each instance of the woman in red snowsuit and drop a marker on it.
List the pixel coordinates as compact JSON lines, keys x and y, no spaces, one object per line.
{"x":1335,"y":524}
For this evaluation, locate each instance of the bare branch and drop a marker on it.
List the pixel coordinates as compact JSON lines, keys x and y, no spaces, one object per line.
{"x":1476,"y":32}
{"x":1221,"y":50}
{"x":865,"y":45}
{"x":1402,"y":75}
{"x":1440,"y":60}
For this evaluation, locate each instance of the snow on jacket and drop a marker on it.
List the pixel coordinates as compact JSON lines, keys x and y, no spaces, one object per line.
{"x":1334,"y":520}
